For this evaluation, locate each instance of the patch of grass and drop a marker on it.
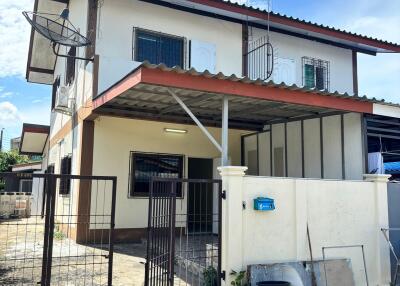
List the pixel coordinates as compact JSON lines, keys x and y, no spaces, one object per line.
{"x":58,"y":234}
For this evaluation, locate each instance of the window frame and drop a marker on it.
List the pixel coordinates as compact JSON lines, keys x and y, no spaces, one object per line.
{"x":66,"y":181}
{"x":162,"y":34}
{"x":316,"y":63}
{"x":56,"y":85}
{"x":70,"y":65}
{"x":140,"y":195}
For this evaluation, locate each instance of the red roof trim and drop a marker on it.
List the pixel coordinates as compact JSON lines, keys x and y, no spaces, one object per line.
{"x":35,"y":128}
{"x":120,"y":87}
{"x":213,"y":85}
{"x":235,"y":8}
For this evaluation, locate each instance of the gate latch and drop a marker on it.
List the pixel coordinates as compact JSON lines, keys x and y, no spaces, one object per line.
{"x":223,"y":275}
{"x":223,"y":195}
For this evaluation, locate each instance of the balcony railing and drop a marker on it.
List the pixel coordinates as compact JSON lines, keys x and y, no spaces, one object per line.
{"x":259,"y":59}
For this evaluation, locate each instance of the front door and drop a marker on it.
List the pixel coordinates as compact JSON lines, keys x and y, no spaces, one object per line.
{"x":200,"y":196}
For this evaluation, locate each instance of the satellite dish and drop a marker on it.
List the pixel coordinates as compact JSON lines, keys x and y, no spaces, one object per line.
{"x":58,"y":29}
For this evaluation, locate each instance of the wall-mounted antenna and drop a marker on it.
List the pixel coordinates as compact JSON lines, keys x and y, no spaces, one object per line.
{"x":59,"y":30}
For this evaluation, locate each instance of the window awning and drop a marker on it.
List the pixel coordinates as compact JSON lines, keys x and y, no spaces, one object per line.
{"x":143,"y":93}
{"x":33,"y":139}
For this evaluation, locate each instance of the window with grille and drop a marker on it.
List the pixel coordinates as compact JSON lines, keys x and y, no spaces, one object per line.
{"x":315,"y":73}
{"x":65,"y":183}
{"x":70,"y":70}
{"x":158,"y":48}
{"x":144,"y":166}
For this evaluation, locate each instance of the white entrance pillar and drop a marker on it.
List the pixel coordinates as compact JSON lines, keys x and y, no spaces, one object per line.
{"x":231,"y":236}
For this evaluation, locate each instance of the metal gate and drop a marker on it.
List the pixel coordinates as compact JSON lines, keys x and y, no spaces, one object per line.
{"x":184,"y":232}
{"x":59,"y":234}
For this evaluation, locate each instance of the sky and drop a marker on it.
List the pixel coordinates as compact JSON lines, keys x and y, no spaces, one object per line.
{"x":378,"y":76}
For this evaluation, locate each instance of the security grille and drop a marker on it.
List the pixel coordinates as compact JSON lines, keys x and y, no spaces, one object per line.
{"x":184,"y":243}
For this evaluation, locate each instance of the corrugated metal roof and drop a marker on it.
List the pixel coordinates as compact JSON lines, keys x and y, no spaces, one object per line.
{"x":269,"y":83}
{"x":298,"y":20}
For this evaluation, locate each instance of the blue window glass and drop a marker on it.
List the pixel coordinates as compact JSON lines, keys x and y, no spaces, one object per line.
{"x":159,"y":48}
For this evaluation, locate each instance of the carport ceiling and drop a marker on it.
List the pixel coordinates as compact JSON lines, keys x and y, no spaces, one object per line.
{"x":153,"y":102}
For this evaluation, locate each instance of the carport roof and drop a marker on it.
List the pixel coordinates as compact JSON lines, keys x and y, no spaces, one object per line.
{"x":143,"y":93}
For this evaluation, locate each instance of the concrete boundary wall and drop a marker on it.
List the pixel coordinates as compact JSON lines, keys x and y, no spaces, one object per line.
{"x":337,"y":213}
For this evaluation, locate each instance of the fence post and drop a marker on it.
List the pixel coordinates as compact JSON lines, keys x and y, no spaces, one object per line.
{"x":231,"y":235}
{"x":383,"y":252}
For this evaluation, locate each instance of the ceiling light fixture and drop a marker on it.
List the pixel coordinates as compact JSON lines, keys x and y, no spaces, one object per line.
{"x":174,"y":130}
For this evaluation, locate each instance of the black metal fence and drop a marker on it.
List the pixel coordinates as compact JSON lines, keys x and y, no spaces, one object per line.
{"x":184,"y":242}
{"x":59,"y":239}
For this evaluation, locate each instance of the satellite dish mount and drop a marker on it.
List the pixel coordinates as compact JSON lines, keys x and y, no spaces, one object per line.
{"x":59,"y":30}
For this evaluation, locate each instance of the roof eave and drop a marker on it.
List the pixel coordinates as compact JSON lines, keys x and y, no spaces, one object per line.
{"x":219,"y":83}
{"x":380,"y":45}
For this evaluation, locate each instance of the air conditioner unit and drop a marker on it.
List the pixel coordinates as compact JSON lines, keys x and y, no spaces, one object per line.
{"x":62,"y":101}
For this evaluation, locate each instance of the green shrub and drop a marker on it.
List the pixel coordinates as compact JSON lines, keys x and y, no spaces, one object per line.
{"x":210,"y":276}
{"x":239,"y":278}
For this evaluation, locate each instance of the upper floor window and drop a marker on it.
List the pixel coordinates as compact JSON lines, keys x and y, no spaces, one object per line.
{"x":315,"y":73}
{"x":158,"y":48}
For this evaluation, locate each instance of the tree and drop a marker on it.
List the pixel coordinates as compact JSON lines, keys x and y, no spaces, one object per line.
{"x":10,"y":158}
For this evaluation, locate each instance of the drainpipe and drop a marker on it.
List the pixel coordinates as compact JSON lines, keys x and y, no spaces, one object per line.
{"x":224,"y":139}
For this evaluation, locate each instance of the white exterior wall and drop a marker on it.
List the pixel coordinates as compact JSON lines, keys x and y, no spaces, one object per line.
{"x":331,"y":146}
{"x":80,"y":91}
{"x":336,"y":212}
{"x":115,"y":36}
{"x":289,"y":47}
{"x":115,"y":138}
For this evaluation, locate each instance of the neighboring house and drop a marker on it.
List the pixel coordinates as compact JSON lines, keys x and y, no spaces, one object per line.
{"x":23,"y":184}
{"x":14,"y":143}
{"x":306,"y":121}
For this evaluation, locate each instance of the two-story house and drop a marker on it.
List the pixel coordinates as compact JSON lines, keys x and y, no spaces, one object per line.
{"x":305,"y":120}
{"x":169,"y":80}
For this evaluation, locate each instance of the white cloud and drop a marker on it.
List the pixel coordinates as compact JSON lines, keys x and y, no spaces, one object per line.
{"x":9,"y":114}
{"x":14,"y":37}
{"x":37,"y":101}
{"x":378,"y":76}
{"x":6,"y":94}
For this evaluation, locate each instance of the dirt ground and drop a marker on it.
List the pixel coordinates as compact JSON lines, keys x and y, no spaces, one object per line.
{"x":21,"y":259}
{"x":21,"y":252}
